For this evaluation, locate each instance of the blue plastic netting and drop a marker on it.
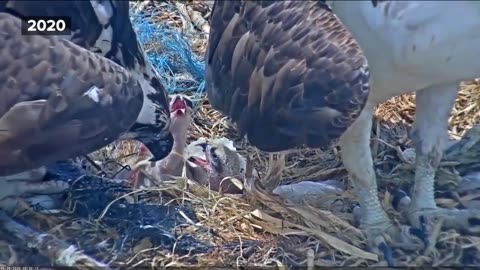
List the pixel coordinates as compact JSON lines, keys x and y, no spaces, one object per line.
{"x":180,"y":69}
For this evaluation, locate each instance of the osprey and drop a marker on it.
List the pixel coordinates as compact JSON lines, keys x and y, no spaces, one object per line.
{"x":61,"y":97}
{"x":428,"y":47}
{"x":287,"y":72}
{"x":181,"y":110}
{"x":104,"y":27}
{"x":219,"y":162}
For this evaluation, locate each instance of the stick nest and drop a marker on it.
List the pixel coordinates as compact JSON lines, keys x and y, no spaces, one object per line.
{"x":183,"y":224}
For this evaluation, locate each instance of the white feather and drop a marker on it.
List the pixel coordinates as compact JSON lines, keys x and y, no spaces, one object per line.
{"x":414,"y":44}
{"x":93,"y":93}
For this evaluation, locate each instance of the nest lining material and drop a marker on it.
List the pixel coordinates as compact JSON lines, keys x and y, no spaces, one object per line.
{"x":103,"y":222}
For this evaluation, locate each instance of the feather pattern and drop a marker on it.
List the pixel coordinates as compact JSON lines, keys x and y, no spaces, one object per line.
{"x":104,"y":27}
{"x":287,"y":72}
{"x":60,"y":101}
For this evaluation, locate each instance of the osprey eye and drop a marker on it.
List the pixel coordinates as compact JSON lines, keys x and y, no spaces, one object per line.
{"x":213,"y":154}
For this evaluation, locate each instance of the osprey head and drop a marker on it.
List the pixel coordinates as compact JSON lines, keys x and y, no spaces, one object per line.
{"x":219,"y":160}
{"x":181,"y":109}
{"x":180,"y":105}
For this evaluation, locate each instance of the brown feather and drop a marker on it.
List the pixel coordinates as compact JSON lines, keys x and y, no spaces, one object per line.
{"x":86,"y":27}
{"x":110,"y":33}
{"x":287,"y":72}
{"x":50,"y":117}
{"x":104,"y":27}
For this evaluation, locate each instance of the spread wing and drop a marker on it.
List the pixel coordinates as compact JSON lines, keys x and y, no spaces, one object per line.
{"x":58,"y":100}
{"x":287,"y":72}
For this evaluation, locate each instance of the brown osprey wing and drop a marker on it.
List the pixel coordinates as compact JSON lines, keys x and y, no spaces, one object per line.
{"x":104,"y":27}
{"x":58,"y":100}
{"x":287,"y":72}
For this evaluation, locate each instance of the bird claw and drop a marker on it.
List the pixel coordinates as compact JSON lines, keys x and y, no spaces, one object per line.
{"x":28,"y":185}
{"x":422,"y":232}
{"x":464,"y":220}
{"x":387,"y":253}
{"x":392,"y":237}
{"x":380,"y":245}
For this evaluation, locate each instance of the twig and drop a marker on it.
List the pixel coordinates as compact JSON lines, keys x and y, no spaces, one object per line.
{"x":57,"y":250}
{"x":276,"y":165}
{"x":198,"y":20}
{"x":95,"y":165}
{"x":186,"y":21}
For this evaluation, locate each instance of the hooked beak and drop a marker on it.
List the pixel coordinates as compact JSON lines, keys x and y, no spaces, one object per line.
{"x":160,"y":148}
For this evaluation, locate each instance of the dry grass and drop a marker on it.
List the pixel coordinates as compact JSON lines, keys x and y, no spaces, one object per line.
{"x":465,"y":114}
{"x":236,"y":218}
{"x":259,"y":229}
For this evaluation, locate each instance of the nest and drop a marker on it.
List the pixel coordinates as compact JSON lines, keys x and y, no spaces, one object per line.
{"x":103,"y":222}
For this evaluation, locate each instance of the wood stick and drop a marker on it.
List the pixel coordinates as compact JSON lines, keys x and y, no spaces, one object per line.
{"x":57,"y":250}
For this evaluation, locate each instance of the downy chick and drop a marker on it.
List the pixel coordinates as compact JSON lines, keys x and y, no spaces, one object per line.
{"x":220,"y":162}
{"x":181,"y":108}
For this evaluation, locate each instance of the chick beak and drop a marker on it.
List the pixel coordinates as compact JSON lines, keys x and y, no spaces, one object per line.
{"x":178,"y":107}
{"x":180,"y":112}
{"x":199,"y":161}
